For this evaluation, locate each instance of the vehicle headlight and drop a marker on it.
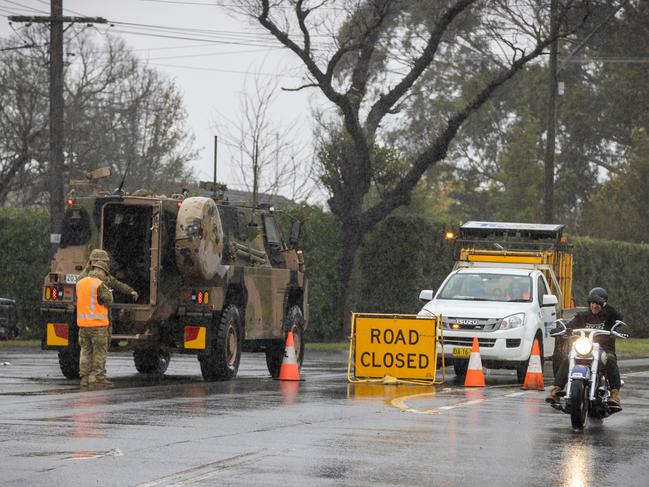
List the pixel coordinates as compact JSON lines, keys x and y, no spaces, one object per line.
{"x":583,"y":346}
{"x":513,"y":321}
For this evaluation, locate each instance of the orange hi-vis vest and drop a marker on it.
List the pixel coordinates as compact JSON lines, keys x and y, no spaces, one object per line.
{"x":89,"y":311}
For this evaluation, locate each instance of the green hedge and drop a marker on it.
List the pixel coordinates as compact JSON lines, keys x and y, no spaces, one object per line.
{"x":24,"y":261}
{"x":321,"y":243}
{"x":404,"y":255}
{"x":619,"y":267}
{"x":407,"y":254}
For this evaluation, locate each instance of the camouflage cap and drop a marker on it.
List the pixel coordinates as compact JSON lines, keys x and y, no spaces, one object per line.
{"x":101,"y":264}
{"x":99,"y":255}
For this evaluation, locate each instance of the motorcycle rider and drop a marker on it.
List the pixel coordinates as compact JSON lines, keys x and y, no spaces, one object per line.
{"x":603,"y":314}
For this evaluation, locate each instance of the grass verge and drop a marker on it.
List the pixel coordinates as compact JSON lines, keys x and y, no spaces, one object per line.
{"x":19,"y":343}
{"x":632,"y":348}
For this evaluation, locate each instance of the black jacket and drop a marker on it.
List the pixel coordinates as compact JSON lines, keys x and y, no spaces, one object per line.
{"x":606,"y":318}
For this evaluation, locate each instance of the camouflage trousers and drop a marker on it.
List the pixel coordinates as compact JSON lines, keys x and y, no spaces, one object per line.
{"x":94,"y":349}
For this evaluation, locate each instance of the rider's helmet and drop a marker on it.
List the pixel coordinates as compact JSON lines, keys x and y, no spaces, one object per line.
{"x":598,"y":295}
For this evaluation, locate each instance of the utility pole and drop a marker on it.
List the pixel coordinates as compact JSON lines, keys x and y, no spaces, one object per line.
{"x":57,"y":162}
{"x":554,"y":70}
{"x":548,"y":186}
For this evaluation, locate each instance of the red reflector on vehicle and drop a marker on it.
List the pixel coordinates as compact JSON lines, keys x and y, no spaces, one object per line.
{"x":191,"y":333}
{"x":200,"y":298}
{"x":185,"y":295}
{"x":61,"y":330}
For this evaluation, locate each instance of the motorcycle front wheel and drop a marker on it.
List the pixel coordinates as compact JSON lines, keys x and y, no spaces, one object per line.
{"x":578,"y":405}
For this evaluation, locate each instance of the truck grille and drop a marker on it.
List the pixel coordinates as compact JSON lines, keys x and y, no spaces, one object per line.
{"x":482,"y":324}
{"x":468,"y":341}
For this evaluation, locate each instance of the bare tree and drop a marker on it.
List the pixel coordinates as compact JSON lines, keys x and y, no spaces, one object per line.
{"x":119,"y":113}
{"x":267,"y":154}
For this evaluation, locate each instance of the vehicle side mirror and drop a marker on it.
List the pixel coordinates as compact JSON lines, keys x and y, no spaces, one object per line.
{"x":549,"y":300}
{"x":426,"y":295}
{"x":295,"y":233}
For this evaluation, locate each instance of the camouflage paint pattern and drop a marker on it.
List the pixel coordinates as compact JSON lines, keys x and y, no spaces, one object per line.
{"x":199,"y":238}
{"x":233,"y":263}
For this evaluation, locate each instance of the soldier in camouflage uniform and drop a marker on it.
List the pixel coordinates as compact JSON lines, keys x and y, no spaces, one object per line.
{"x":92,"y":364}
{"x":99,"y":255}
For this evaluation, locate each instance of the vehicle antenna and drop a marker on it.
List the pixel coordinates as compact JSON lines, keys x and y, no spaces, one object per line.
{"x":216,"y":143}
{"x":120,"y":190}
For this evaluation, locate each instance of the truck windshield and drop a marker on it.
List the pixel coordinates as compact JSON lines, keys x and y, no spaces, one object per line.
{"x":487,"y":287}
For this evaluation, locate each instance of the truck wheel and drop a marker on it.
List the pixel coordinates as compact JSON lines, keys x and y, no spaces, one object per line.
{"x":151,"y":361}
{"x":69,"y":362}
{"x":275,"y":354}
{"x":460,"y":367}
{"x":222,"y":362}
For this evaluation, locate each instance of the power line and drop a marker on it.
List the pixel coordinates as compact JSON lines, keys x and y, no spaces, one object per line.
{"x":197,"y":39}
{"x":217,"y":4}
{"x":231,"y":71}
{"x":69,"y":10}
{"x":245,"y":36}
{"x":207,"y":54}
{"x":22,"y":6}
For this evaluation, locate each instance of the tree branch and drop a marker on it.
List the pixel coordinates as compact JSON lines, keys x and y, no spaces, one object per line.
{"x":387,"y":100}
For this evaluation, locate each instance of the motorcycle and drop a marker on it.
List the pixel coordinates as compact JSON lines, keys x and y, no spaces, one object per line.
{"x":588,"y":391}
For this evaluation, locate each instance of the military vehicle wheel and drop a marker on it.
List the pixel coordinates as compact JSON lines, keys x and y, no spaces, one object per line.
{"x":69,"y":362}
{"x":222,"y":363}
{"x":275,"y":354}
{"x":151,"y":361}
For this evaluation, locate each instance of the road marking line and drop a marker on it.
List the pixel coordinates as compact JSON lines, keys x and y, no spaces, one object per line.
{"x":401,"y":402}
{"x":87,"y":455}
{"x":200,"y":472}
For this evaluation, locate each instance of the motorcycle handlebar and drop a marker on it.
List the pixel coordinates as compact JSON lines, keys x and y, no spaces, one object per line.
{"x":562,"y":330}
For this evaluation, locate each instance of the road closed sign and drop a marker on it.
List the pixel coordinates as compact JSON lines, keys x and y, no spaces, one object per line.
{"x":401,"y":346}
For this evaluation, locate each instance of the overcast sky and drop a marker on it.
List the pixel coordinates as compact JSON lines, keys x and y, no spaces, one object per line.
{"x":205,"y":50}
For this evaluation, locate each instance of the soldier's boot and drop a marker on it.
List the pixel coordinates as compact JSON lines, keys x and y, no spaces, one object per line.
{"x":614,"y":400}
{"x":83,"y":383}
{"x":554,"y":396}
{"x":104,"y":383}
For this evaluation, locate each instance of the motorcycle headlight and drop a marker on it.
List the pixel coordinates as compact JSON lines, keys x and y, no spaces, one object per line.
{"x":583,"y":346}
{"x":513,"y":321}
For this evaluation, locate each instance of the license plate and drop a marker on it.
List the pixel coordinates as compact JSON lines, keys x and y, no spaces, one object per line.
{"x":461,"y":352}
{"x":71,"y":278}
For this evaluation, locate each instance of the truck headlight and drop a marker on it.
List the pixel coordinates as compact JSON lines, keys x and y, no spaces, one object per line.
{"x":583,"y":346}
{"x":513,"y":321}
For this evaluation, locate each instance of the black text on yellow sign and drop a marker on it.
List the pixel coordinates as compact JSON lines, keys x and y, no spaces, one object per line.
{"x":391,"y":345}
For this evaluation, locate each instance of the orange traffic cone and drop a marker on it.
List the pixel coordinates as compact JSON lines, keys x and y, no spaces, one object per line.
{"x":474,"y":374}
{"x":289,"y":369}
{"x":534,"y":374}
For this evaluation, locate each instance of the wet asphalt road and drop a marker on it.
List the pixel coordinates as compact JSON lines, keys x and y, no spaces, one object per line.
{"x":254,"y":431}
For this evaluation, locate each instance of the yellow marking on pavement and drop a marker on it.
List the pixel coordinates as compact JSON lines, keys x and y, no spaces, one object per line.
{"x":402,"y":402}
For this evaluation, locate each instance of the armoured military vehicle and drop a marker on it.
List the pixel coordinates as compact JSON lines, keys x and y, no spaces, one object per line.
{"x":214,"y":279}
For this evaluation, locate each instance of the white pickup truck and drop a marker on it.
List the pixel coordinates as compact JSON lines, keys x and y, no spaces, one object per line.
{"x":504,"y":298}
